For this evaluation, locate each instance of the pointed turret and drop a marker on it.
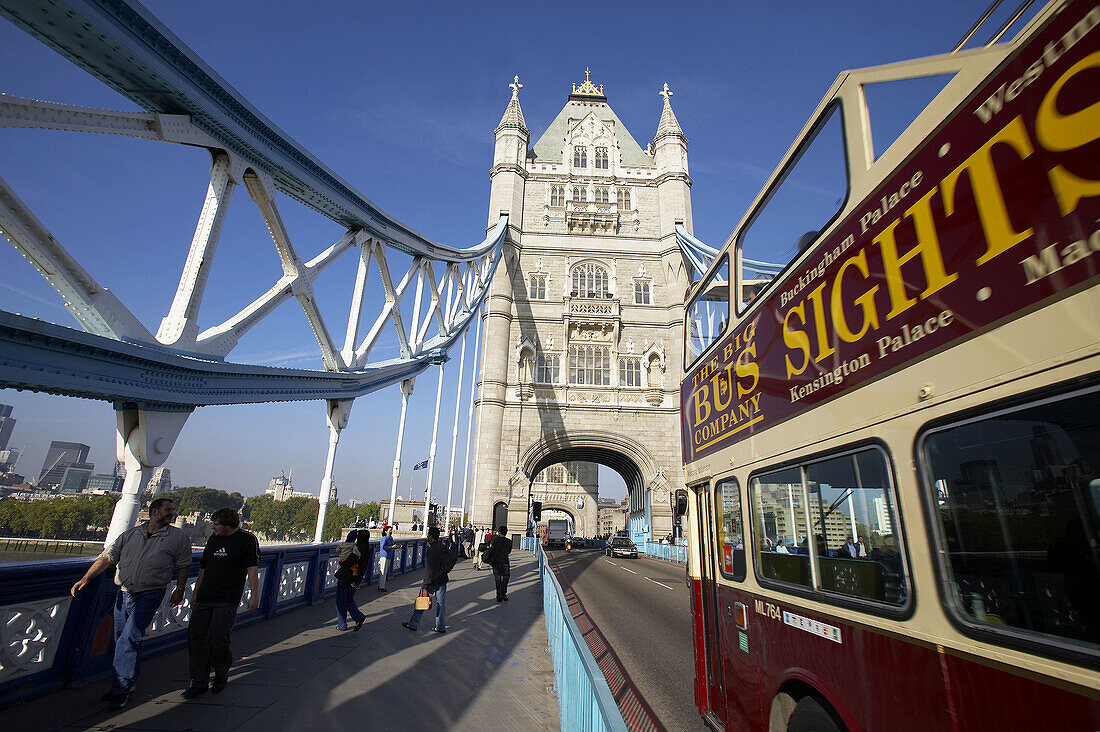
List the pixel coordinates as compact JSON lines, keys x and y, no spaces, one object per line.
{"x":509,"y":162}
{"x":668,"y":125}
{"x":513,"y":115}
{"x":673,"y":183}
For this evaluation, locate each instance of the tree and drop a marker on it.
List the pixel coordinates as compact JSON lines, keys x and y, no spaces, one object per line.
{"x":189,"y":499}
{"x":79,"y":517}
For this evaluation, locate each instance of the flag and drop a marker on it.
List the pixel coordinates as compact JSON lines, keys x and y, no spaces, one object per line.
{"x":418,"y":466}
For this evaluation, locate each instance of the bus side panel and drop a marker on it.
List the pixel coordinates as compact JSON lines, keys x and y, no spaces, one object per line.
{"x":1021,"y":703}
{"x":700,"y":649}
{"x":745,"y":707}
{"x":872,"y":680}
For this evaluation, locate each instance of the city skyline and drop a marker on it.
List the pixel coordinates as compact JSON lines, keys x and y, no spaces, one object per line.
{"x":411,"y":126}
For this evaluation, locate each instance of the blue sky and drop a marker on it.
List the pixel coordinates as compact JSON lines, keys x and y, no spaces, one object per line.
{"x":400,"y":100}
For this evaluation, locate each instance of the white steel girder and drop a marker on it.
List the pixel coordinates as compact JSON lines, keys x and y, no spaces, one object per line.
{"x":464,"y":279}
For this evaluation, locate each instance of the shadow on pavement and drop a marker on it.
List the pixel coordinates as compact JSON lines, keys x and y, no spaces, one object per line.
{"x":297,"y":671}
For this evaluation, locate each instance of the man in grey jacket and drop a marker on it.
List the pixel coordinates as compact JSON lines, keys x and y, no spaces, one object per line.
{"x":145,"y":558}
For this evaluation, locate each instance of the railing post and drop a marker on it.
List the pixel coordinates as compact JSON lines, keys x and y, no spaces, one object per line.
{"x":270,"y":593}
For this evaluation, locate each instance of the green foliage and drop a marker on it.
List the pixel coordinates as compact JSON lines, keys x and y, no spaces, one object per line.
{"x":189,"y":499}
{"x":79,"y":517}
{"x":339,"y":518}
{"x":87,"y":517}
{"x":295,"y":519}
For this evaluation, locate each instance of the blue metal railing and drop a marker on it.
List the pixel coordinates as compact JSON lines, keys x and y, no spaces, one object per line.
{"x":53,"y":639}
{"x":584,"y":698}
{"x":667,"y":552}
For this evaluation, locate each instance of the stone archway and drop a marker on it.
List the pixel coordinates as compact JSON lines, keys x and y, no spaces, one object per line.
{"x":571,"y":511}
{"x":645,"y":479}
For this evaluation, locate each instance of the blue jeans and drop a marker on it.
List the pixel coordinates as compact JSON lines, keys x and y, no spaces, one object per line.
{"x":134,"y":614}
{"x":345,"y":604}
{"x":440,"y":595}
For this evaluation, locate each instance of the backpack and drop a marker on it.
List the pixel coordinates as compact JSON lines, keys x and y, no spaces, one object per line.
{"x":447,"y":561}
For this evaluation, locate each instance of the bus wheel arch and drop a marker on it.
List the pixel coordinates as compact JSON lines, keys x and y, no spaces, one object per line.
{"x":799,"y":707}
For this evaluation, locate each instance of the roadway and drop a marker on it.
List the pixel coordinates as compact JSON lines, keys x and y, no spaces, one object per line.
{"x":642,"y":607}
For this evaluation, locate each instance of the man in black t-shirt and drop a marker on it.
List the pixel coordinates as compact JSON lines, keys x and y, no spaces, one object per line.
{"x":230,"y":555}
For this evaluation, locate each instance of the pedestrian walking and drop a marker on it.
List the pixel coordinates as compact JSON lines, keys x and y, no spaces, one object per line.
{"x":145,"y":557}
{"x":231,"y":555}
{"x":386,"y":548}
{"x":354,"y":554}
{"x":500,"y":546}
{"x":468,"y":540}
{"x":480,"y":547}
{"x":438,"y":561}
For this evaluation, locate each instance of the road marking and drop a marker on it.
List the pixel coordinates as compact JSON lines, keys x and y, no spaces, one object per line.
{"x":628,"y":570}
{"x":658,"y":583}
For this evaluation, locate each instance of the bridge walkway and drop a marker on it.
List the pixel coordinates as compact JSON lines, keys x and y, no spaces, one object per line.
{"x":298,"y":672}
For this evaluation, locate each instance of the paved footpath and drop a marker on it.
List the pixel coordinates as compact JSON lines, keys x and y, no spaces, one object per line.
{"x":491,"y":670}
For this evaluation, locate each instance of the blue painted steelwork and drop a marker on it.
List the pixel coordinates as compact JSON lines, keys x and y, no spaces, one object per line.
{"x":701,"y":256}
{"x":75,"y":636}
{"x":667,"y":552}
{"x":42,"y":356}
{"x":96,"y":367}
{"x":584,"y":698}
{"x":127,"y":48}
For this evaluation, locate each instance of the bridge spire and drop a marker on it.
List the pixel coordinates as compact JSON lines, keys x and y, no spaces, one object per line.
{"x":513,"y":114}
{"x":668,"y":125}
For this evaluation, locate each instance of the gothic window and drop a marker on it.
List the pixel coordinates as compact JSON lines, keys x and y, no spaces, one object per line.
{"x":555,"y":474}
{"x":580,"y":194}
{"x":601,"y":194}
{"x":641,"y":292}
{"x":589,"y":280}
{"x":630,"y":372}
{"x":623,"y":198}
{"x":557,"y":195}
{"x":601,"y":158}
{"x":580,"y":156}
{"x":537,"y":290}
{"x":590,"y":365}
{"x":546,"y":370}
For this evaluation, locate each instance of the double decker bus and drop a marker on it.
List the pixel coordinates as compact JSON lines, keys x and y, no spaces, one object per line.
{"x":892,"y":448}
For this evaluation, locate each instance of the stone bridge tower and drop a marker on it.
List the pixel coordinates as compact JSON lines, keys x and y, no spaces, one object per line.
{"x":581,"y":358}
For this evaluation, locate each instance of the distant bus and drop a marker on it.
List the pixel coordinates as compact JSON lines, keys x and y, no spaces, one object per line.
{"x":892,"y":450}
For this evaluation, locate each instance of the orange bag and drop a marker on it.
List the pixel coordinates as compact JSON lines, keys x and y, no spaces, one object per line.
{"x":423,"y":600}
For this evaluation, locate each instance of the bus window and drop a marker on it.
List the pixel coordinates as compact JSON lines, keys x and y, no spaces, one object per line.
{"x":844,"y":524}
{"x":708,"y":313}
{"x":1016,"y":504}
{"x":808,"y":195}
{"x":853,"y":518}
{"x":781,"y":522}
{"x":731,"y":534}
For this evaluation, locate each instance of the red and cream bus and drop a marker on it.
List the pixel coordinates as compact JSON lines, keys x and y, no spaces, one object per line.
{"x":892,"y":449}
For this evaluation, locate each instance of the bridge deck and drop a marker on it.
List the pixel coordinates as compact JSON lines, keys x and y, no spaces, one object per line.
{"x":297,"y":671}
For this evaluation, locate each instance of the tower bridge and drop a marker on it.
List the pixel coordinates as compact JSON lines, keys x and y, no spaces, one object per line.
{"x":579,"y":282}
{"x":621,"y":325}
